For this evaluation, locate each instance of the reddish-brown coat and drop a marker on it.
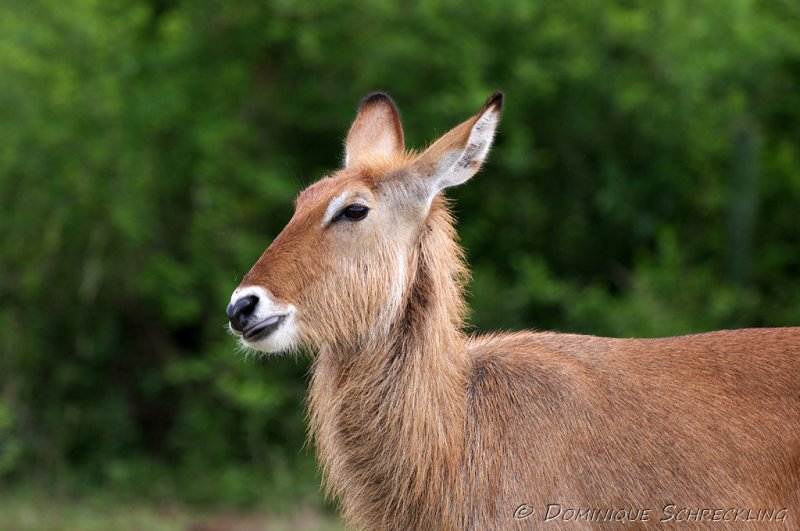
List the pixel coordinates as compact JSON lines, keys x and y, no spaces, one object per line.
{"x":420,"y":426}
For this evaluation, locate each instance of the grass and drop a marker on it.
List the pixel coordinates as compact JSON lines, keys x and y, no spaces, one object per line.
{"x":32,"y":511}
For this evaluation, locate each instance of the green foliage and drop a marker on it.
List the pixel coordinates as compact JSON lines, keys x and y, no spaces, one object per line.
{"x":27,"y":510}
{"x":645,"y":182}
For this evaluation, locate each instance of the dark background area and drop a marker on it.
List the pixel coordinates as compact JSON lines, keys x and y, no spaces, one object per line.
{"x":645,"y":181}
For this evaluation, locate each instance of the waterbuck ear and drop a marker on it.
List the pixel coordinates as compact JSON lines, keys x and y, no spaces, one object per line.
{"x":376,"y":132}
{"x":459,"y":154}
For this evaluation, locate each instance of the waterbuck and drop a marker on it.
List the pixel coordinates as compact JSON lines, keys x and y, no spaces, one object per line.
{"x":420,"y":425}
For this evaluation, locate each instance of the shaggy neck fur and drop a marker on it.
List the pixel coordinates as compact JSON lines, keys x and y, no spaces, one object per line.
{"x":380,"y":412}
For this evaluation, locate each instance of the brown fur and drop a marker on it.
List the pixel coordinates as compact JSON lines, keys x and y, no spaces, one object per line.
{"x":420,"y":426}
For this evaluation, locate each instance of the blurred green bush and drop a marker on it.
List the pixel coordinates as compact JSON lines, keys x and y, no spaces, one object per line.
{"x":645,"y":181}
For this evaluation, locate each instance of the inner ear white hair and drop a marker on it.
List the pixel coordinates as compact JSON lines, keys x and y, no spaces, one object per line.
{"x":459,"y":154}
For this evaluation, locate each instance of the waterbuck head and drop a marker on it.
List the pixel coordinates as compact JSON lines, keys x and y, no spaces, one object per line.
{"x":341,"y":270}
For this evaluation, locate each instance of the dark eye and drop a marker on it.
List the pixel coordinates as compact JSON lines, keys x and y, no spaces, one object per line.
{"x":354,"y":212}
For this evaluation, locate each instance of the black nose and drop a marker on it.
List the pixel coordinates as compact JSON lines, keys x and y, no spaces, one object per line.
{"x":240,"y":311}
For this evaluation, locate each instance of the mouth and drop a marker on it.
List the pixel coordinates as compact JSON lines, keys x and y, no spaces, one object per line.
{"x":264,"y":328}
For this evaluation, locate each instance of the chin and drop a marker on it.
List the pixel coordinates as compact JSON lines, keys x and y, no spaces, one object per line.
{"x":282,"y":340}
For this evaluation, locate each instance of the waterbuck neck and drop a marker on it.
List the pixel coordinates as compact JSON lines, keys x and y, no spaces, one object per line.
{"x":388,"y":416}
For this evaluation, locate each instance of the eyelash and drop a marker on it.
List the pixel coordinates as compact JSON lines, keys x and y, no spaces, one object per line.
{"x":354,"y":212}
